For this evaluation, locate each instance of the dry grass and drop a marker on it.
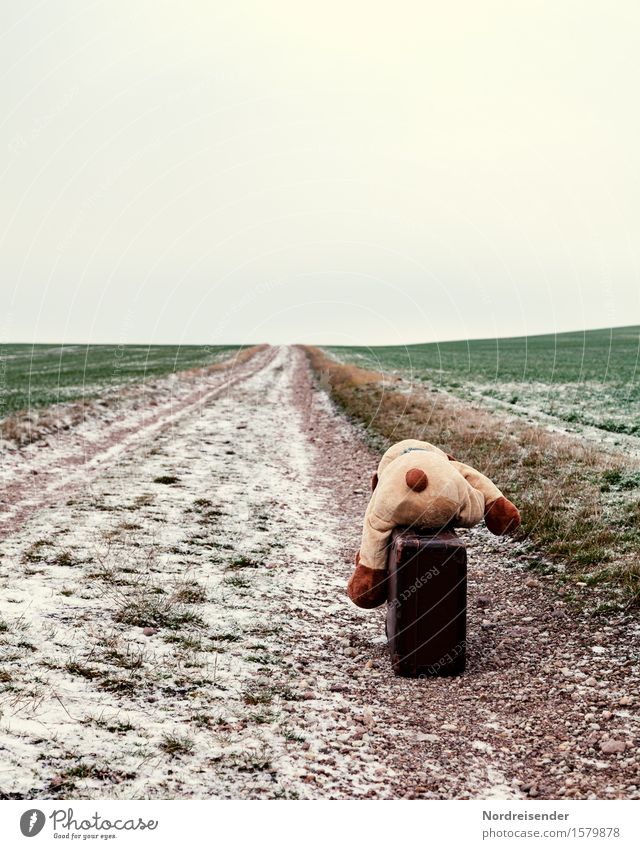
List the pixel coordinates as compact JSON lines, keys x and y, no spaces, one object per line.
{"x":579,"y":504}
{"x":28,"y":426}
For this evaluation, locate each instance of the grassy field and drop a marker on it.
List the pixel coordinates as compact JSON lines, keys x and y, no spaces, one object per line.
{"x":586,"y":378}
{"x":40,"y":375}
{"x":579,"y":500}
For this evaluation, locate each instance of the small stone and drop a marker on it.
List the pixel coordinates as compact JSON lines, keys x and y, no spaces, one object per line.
{"x":350,"y":652}
{"x":308,"y":695}
{"x":367,"y":717}
{"x":591,"y":682}
{"x":612,"y":747}
{"x":606,"y":714}
{"x":449,"y":726}
{"x":368,"y":664}
{"x":427,"y":738}
{"x":149,"y":632}
{"x":626,"y":700}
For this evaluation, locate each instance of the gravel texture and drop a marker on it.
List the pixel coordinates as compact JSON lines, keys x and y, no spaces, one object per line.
{"x":174,"y":624}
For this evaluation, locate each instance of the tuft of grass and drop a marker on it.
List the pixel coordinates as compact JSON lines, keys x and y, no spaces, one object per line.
{"x":66,"y":781}
{"x":145,"y":604}
{"x":36,"y":551}
{"x":175,"y":744}
{"x":167,"y":479}
{"x":191,"y":592}
{"x":237,"y":581}
{"x":122,"y":686}
{"x":156,"y":612}
{"x":186,"y":641}
{"x":73,"y":667}
{"x":225,"y":638}
{"x":292,"y":736}
{"x":202,"y":720}
{"x":123,"y":654}
{"x":258,"y":696}
{"x":145,"y":499}
{"x":113,"y":726}
{"x":252,"y":761}
{"x":66,"y":558}
{"x":263,"y":717}
{"x":243,"y":563}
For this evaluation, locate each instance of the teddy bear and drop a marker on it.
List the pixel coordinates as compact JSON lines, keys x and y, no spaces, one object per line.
{"x":419,"y":485}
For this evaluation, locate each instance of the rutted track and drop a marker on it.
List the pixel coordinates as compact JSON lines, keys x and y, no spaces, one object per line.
{"x":35,"y":478}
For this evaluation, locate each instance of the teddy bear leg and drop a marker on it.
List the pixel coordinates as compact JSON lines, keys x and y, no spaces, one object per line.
{"x":502,"y":517}
{"x":367,"y":587}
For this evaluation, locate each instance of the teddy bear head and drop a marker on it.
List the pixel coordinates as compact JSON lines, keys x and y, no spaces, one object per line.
{"x":423,"y":488}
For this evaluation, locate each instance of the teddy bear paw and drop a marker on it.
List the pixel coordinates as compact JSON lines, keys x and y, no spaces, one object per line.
{"x":502,"y":517}
{"x":367,"y":587}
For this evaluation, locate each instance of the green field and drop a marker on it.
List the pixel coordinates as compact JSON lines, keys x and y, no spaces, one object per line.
{"x":39,"y":375}
{"x":586,"y":378}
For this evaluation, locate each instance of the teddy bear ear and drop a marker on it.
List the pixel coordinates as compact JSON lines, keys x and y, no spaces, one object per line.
{"x":374,"y":481}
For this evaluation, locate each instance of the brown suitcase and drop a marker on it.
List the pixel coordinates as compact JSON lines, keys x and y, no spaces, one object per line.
{"x":427,"y":606}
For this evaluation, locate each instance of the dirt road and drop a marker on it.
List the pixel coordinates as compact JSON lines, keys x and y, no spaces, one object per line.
{"x":174,"y":624}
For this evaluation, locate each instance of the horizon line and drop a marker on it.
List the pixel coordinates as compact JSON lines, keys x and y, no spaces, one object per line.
{"x":324,"y":344}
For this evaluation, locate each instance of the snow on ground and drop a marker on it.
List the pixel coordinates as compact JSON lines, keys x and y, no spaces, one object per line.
{"x":225,"y":559}
{"x":174,"y":624}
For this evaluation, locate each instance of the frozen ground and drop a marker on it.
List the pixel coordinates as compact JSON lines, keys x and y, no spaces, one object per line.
{"x":173,"y":623}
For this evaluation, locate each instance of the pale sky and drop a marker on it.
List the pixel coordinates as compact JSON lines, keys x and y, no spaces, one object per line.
{"x":339,"y":172}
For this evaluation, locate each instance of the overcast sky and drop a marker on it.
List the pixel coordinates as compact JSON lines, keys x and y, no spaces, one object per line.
{"x":344,"y":172}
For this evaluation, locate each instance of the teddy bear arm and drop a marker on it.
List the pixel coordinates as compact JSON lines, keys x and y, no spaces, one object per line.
{"x":472,"y":510}
{"x":500,"y":515}
{"x":376,"y":535}
{"x":478,"y":481}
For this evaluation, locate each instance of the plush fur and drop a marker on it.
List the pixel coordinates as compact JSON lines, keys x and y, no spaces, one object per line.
{"x":418,"y":485}
{"x":367,"y":587}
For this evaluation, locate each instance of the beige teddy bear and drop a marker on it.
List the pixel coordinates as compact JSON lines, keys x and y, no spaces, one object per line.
{"x":419,"y":485}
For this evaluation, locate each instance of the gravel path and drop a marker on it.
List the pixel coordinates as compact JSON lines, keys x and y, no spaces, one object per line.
{"x":178,"y":627}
